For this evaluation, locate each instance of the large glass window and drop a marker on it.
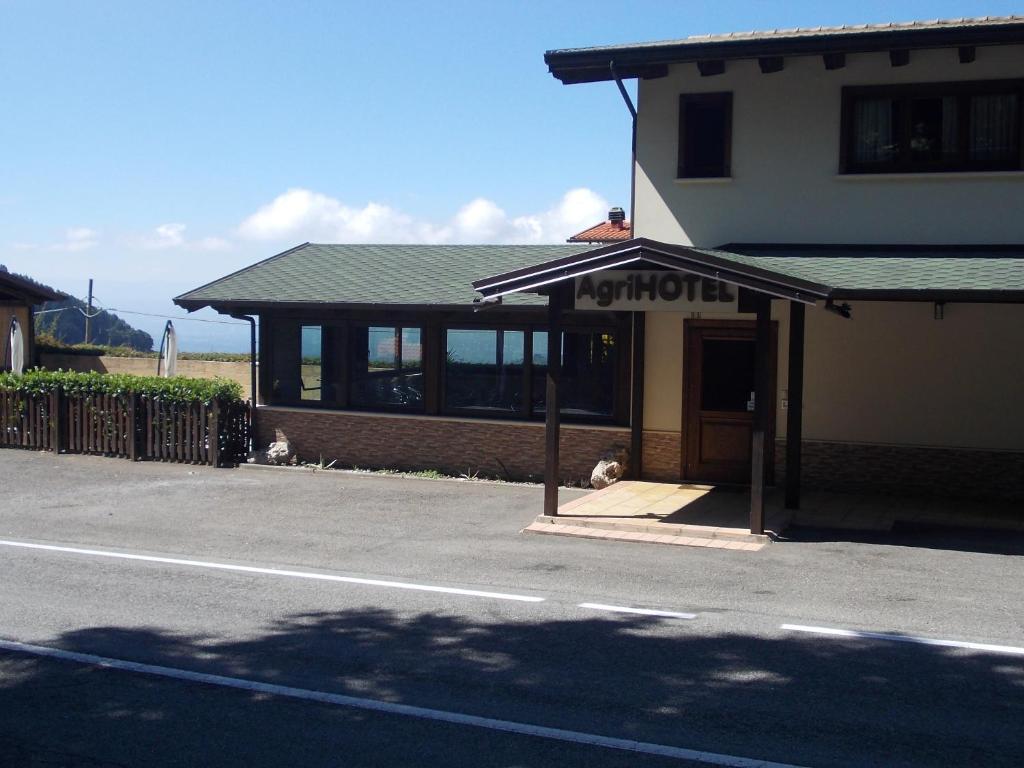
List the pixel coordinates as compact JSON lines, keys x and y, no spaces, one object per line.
{"x":484,"y":370}
{"x":588,"y":373}
{"x":386,"y":367}
{"x":953,"y":127}
{"x":490,"y":372}
{"x":311,"y":363}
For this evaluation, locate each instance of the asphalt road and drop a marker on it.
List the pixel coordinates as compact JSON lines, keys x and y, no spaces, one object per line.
{"x":424,"y":594}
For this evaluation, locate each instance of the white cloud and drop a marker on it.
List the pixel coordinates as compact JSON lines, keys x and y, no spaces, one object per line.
{"x":75,"y":239}
{"x":172,"y":235}
{"x":166,"y":236}
{"x":302,"y":214}
{"x":212,"y":244}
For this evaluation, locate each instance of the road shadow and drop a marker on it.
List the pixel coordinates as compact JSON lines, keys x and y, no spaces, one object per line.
{"x":792,"y":698}
{"x":918,"y":535}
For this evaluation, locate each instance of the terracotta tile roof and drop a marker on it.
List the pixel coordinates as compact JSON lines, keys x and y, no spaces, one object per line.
{"x":605,"y":232}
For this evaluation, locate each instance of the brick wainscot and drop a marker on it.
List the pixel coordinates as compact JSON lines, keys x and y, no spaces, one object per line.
{"x":506,"y":449}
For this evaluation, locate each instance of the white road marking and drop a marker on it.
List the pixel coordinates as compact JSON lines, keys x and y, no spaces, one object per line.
{"x":904,"y":639}
{"x":274,"y":572}
{"x":638,"y":611}
{"x":387,"y":707}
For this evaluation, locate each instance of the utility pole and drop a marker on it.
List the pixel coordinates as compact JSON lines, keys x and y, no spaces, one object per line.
{"x":88,"y":314}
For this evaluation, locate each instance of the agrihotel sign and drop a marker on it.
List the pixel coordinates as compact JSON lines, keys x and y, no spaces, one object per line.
{"x":650,"y":290}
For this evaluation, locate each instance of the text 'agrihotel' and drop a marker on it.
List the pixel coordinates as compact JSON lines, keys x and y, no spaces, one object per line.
{"x":652,"y":286}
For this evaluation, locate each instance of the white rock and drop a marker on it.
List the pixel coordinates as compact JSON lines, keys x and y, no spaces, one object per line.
{"x":280,"y":452}
{"x":610,"y":469}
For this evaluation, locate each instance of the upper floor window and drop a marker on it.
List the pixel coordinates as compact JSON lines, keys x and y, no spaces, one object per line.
{"x":971,"y":126}
{"x":705,"y":135}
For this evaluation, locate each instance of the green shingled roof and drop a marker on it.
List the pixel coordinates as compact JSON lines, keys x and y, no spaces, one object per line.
{"x":847,"y":269}
{"x":375,"y":274}
{"x":443,"y":274}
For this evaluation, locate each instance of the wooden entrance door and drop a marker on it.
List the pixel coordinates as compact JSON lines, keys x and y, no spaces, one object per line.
{"x":718,"y":413}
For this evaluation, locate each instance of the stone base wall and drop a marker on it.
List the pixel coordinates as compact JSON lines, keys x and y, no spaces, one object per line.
{"x":662,"y":456}
{"x":908,"y":470}
{"x":504,"y":449}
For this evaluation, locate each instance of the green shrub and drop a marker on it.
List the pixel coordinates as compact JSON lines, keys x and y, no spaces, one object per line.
{"x":179,"y":389}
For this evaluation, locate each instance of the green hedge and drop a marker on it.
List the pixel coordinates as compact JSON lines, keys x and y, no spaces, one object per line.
{"x":179,"y":389}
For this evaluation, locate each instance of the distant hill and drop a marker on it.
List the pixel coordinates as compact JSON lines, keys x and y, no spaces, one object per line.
{"x":107,"y":328}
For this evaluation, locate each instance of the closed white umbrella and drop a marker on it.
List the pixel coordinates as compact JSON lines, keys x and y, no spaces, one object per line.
{"x":169,"y":348}
{"x":17,"y":347}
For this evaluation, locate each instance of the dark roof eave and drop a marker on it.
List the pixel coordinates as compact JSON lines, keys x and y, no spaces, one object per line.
{"x":962,"y":295}
{"x":535,"y":278}
{"x":34,"y":292}
{"x":589,"y":65}
{"x":255,"y":307}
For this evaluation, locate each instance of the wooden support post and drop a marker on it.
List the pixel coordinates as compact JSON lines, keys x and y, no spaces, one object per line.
{"x":432,"y":361}
{"x":552,"y":402}
{"x":762,"y":406}
{"x":636,"y":403}
{"x":794,"y":414}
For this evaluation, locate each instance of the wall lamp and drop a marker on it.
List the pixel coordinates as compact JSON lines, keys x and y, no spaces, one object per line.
{"x":486,"y":303}
{"x":940,"y":310}
{"x":843,"y":310}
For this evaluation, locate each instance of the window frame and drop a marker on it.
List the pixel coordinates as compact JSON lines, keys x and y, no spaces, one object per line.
{"x":337,"y":350}
{"x":526,"y":412}
{"x":962,"y":90}
{"x":334,"y":338}
{"x":347,"y":369}
{"x":481,"y":413}
{"x":684,"y":161}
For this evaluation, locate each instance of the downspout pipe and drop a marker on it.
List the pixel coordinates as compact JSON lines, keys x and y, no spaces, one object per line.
{"x":632,"y":166}
{"x":252,"y":372}
{"x":636,"y":405}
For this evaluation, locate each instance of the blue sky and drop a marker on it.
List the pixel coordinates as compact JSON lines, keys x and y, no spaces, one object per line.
{"x":156,"y":146}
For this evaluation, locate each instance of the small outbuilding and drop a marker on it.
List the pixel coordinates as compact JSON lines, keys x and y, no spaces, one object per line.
{"x":19,"y":296}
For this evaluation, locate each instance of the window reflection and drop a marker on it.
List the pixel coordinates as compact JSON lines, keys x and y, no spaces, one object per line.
{"x":311,"y":363}
{"x":484,"y":370}
{"x":588,"y":372}
{"x":387,"y":367}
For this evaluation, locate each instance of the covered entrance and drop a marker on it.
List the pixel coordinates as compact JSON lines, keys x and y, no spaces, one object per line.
{"x":729,"y":386}
{"x":641,"y":276}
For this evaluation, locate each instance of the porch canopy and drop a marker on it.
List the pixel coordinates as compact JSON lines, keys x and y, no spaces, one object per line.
{"x":799,"y":274}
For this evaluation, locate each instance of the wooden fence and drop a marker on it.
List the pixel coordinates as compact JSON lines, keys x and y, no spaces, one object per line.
{"x":127,"y":426}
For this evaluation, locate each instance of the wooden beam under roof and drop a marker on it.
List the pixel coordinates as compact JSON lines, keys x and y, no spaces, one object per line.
{"x":834,"y":60}
{"x":711,"y":68}
{"x":899,"y":57}
{"x":769,"y":64}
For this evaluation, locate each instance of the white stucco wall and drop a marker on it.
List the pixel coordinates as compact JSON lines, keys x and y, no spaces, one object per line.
{"x":891,"y":374}
{"x":785,"y":156}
